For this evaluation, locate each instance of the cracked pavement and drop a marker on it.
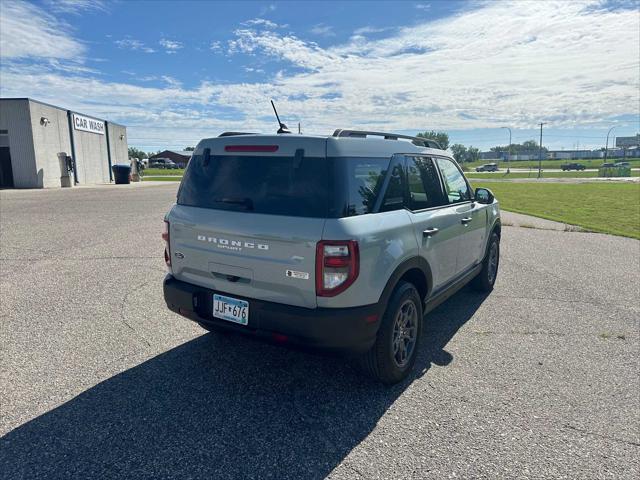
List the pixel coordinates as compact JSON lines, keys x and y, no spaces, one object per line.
{"x":99,"y":380}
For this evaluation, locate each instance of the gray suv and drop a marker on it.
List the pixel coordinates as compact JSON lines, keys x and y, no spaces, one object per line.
{"x":340,"y":242}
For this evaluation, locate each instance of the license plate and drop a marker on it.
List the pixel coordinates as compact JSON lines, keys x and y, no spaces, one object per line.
{"x":230,"y":309}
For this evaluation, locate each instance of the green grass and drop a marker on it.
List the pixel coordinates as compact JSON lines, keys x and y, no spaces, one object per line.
{"x":591,"y":163}
{"x":600,"y":207}
{"x":162,"y":171}
{"x":534,"y":174}
{"x":161,"y":179}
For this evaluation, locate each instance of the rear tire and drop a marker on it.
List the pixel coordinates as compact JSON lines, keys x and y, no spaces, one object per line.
{"x":393,"y":355}
{"x":485,"y":280}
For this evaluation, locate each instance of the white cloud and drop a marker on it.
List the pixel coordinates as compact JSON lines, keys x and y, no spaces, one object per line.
{"x":368,"y":29}
{"x":545,"y":61}
{"x":422,"y":6}
{"x":171,"y":82}
{"x":170,"y":46}
{"x":76,"y":7}
{"x":129,"y":43}
{"x":287,"y":47}
{"x":322,"y":30}
{"x":27,"y":31}
{"x":216,"y":46}
{"x":264,"y":23}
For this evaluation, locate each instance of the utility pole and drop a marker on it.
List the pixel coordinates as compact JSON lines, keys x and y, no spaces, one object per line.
{"x":509,"y":157}
{"x":540,"y":153}
{"x":606,"y":147}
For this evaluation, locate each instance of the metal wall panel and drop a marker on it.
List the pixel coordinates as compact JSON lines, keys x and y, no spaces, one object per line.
{"x":119,"y":146}
{"x":15,"y":117}
{"x":48,"y":141}
{"x":92,"y":161}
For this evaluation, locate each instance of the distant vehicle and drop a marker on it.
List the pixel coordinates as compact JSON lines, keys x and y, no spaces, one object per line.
{"x":608,"y":165}
{"x":489,"y":167}
{"x":572,"y":166}
{"x":163,"y":163}
{"x":622,"y":164}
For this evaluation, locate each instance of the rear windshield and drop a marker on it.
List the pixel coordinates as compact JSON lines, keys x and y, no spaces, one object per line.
{"x":292,"y":186}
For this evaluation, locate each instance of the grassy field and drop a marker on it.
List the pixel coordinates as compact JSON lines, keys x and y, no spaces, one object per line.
{"x":155,"y":172}
{"x":534,"y":174}
{"x":599,"y":207}
{"x":592,"y":163}
{"x":161,"y":179}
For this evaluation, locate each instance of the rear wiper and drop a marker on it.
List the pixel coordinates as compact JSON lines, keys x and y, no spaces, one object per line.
{"x":246,"y":202}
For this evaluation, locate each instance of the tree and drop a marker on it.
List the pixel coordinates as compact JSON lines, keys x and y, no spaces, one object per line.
{"x":441,"y":137}
{"x":189,"y":149}
{"x":473,"y":154}
{"x":459,"y":152}
{"x":135,"y":153}
{"x":528,"y":146}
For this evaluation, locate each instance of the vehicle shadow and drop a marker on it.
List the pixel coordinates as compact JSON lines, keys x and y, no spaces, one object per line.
{"x":221,"y":407}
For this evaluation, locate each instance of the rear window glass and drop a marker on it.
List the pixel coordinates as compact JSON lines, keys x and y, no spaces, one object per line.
{"x":260,"y":184}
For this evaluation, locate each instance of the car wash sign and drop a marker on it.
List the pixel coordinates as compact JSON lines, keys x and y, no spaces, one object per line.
{"x":86,"y":124}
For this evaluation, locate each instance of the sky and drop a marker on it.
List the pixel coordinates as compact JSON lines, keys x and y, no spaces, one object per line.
{"x":176,"y":72}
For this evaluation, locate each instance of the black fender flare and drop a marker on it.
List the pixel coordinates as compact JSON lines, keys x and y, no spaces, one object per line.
{"x":495,"y":228}
{"x":412,"y":263}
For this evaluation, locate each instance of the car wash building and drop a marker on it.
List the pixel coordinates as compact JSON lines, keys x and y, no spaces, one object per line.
{"x":41,"y":145}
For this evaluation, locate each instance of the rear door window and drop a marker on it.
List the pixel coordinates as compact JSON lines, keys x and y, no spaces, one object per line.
{"x":365,"y":179}
{"x":273,"y":185}
{"x":423,"y":182}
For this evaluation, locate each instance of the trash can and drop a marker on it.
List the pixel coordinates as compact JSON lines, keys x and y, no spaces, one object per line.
{"x":121,"y":173}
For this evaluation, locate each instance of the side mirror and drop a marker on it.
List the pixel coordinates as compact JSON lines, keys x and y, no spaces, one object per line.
{"x":484,"y":196}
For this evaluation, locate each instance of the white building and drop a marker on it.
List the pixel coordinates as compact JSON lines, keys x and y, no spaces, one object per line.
{"x":32,"y":134}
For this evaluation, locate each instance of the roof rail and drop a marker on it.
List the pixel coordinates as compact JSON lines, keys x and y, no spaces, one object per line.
{"x":424,"y":142}
{"x":233,"y":134}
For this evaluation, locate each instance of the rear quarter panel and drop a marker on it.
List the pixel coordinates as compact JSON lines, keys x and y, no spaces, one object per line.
{"x":385,"y":241}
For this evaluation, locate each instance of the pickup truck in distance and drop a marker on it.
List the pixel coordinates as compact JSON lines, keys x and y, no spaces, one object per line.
{"x":338,"y":242}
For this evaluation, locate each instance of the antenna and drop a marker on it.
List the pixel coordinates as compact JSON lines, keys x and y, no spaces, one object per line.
{"x":283,"y":128}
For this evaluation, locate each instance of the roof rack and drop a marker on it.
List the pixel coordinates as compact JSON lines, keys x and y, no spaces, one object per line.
{"x":233,"y":134}
{"x":425,"y":142}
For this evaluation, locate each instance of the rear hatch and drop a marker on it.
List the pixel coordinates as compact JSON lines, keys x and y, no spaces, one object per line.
{"x":250,"y":211}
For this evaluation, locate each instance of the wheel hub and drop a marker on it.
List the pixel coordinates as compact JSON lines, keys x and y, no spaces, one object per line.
{"x":405,"y":330}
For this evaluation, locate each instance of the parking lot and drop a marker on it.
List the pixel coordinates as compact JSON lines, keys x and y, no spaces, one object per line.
{"x":540,"y":379}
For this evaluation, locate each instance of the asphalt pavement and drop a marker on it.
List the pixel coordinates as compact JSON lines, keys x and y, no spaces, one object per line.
{"x":539,"y":379}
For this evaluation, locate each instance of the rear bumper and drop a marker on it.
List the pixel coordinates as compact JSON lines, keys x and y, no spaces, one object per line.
{"x":351,"y":330}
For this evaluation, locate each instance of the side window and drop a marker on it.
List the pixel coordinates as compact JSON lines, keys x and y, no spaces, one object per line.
{"x":455,"y":185}
{"x":394,"y":195}
{"x":423,"y":183}
{"x":365,"y":178}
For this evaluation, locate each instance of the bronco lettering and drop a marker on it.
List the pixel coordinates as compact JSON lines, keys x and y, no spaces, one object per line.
{"x":232,"y":244}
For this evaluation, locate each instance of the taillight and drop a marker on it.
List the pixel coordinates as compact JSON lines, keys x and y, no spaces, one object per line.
{"x":167,"y":246}
{"x":337,"y":266}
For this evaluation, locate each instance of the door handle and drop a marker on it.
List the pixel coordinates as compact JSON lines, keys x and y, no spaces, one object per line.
{"x":429,"y":231}
{"x":466,"y":220}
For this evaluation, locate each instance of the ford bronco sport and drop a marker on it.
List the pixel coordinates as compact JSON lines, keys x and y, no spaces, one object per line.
{"x":340,"y":242}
